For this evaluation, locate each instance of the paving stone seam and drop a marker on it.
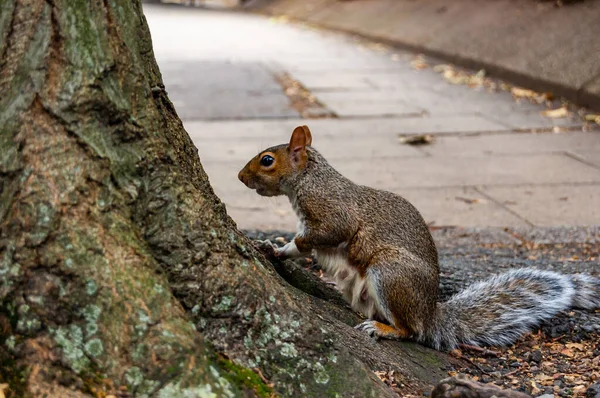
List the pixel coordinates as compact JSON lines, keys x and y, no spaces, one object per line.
{"x":582,"y":160}
{"x":503,"y":206}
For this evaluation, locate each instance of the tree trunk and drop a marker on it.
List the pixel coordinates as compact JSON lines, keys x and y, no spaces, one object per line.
{"x":121,"y":272}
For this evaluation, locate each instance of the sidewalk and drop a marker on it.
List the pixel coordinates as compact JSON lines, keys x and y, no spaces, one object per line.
{"x":493,"y":161}
{"x":531,"y":43}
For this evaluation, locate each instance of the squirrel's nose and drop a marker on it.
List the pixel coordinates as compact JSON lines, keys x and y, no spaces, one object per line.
{"x":242,"y":178}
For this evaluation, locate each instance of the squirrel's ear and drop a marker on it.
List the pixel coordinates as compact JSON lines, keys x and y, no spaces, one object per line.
{"x":308,"y":135}
{"x":300,"y":139}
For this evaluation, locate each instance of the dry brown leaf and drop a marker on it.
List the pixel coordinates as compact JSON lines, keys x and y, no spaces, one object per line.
{"x":281,"y":19}
{"x":556,"y":113}
{"x":472,"y":201}
{"x":523,"y":92}
{"x":442,"y":68}
{"x":543,"y":377}
{"x":577,"y":346}
{"x":592,"y":118}
{"x":423,"y":139}
{"x":455,"y":353}
{"x":419,"y":63}
{"x":567,"y":352}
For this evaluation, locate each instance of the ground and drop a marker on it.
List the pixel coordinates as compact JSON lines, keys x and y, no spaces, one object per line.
{"x":466,"y":150}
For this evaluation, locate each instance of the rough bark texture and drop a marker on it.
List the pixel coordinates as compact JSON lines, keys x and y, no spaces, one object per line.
{"x":120,"y":271}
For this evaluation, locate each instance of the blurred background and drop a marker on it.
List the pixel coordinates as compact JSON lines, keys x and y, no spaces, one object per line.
{"x":497,"y":125}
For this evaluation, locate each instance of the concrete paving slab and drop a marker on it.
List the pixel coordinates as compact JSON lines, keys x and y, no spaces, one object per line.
{"x":333,"y":80}
{"x":227,"y":90}
{"x":273,"y":130}
{"x":404,"y":174}
{"x":243,"y":149}
{"x":369,"y":109}
{"x":451,"y":171}
{"x":459,"y":206}
{"x":532,"y":120}
{"x":515,"y":143}
{"x":250,"y":210}
{"x":232,"y":106}
{"x":439,"y":207}
{"x":219,"y":76}
{"x":552,"y":205}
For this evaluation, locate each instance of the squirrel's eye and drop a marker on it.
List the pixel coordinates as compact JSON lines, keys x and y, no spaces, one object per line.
{"x":267,"y":160}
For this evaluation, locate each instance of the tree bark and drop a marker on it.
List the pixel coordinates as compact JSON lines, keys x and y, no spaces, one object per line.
{"x":121,"y":272}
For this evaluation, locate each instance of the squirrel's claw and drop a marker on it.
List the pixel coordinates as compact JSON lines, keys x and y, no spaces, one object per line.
{"x":368,"y":327}
{"x":267,"y":247}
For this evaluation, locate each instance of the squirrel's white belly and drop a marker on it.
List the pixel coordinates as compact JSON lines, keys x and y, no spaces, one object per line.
{"x":358,"y":291}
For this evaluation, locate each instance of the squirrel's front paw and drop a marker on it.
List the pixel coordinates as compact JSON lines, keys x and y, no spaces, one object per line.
{"x":289,"y":250}
{"x":268,"y":248}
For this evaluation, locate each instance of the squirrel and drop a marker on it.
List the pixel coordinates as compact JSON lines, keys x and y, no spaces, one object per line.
{"x":378,"y":249}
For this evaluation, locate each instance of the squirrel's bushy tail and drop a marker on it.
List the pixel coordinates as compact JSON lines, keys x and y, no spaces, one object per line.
{"x":499,"y":310}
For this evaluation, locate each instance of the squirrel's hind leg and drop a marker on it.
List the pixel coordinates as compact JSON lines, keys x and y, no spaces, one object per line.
{"x":378,"y":329}
{"x":404,"y":290}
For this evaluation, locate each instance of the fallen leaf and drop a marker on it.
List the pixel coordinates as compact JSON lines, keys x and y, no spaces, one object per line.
{"x":282,"y":19}
{"x":441,"y":68}
{"x":523,"y":92}
{"x":424,"y":139}
{"x":470,"y":201}
{"x":419,"y":63}
{"x":567,"y":352}
{"x":577,"y":346}
{"x":556,"y":113}
{"x":592,"y":118}
{"x":456,"y":353}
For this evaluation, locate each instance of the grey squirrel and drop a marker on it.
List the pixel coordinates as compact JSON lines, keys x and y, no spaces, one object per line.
{"x":378,"y":249}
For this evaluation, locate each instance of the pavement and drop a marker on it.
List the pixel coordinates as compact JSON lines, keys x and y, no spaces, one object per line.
{"x":531,"y":42}
{"x":490,"y":160}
